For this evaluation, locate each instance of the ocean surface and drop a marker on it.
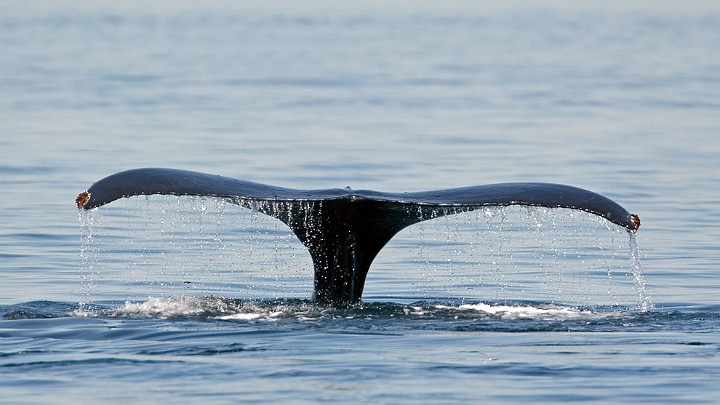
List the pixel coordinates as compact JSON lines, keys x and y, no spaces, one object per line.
{"x":195,"y":300}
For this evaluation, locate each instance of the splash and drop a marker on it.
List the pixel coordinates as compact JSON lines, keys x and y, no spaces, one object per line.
{"x":174,"y":307}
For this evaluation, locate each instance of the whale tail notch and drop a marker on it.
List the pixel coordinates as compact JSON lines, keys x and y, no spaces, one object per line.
{"x":344,"y":229}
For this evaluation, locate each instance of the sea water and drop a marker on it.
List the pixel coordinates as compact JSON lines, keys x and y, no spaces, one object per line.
{"x":156,"y":299}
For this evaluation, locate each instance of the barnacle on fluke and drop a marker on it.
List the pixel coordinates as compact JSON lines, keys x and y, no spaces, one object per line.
{"x":82,"y":199}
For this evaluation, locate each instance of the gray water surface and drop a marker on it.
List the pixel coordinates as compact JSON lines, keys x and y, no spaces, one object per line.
{"x":159,"y":299}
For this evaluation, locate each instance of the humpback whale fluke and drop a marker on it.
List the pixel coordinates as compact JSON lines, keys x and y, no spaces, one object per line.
{"x":344,"y":229}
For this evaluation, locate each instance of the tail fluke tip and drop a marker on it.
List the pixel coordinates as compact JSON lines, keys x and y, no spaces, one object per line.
{"x":82,"y":199}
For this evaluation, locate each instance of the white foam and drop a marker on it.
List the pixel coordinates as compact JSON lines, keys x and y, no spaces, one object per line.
{"x":227,"y":309}
{"x":165,"y":307}
{"x":527,"y":311}
{"x":162,"y":307}
{"x":242,"y":317}
{"x":178,"y":306}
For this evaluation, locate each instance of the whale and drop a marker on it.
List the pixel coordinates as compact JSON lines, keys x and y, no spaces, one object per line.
{"x":344,"y":229}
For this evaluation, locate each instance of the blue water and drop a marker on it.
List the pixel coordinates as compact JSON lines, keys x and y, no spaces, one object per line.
{"x":158,"y":299}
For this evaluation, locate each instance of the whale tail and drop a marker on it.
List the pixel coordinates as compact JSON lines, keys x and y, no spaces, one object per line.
{"x":344,"y":229}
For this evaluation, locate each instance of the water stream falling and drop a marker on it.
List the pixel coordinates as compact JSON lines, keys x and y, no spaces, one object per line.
{"x":161,"y":246}
{"x":644,"y":298}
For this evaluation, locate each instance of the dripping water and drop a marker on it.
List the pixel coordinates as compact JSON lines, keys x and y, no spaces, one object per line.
{"x":205,"y":246}
{"x":166,"y":245}
{"x":644,"y":299}
{"x":88,"y":252}
{"x":505,"y":254}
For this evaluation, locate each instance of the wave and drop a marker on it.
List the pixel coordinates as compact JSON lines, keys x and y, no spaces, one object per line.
{"x":421,"y":315}
{"x":233,"y":309}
